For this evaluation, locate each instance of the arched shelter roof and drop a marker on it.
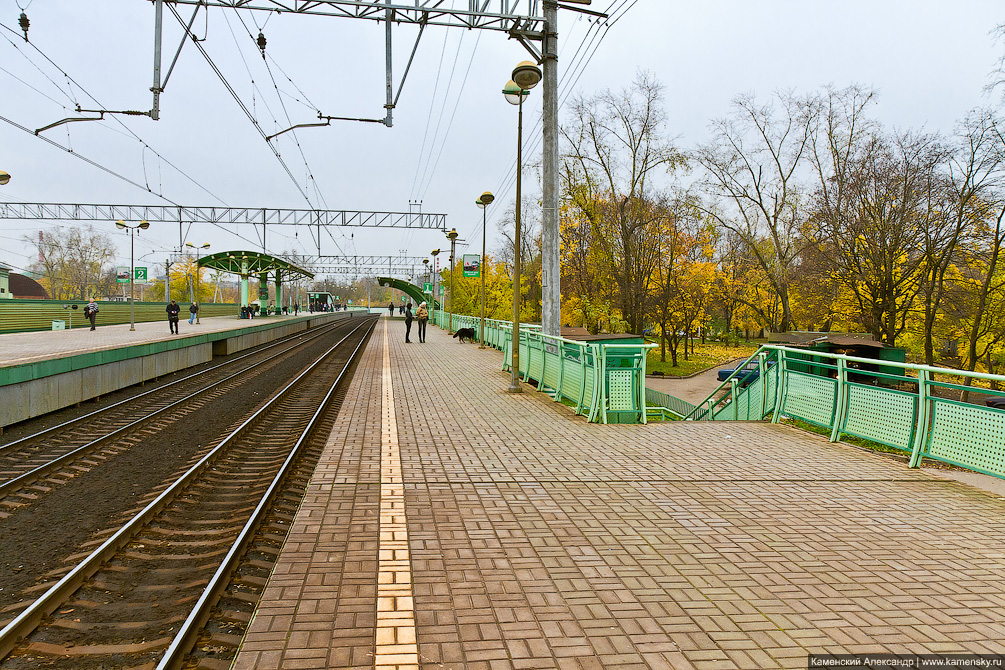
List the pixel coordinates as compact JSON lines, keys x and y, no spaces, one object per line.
{"x":257,"y":263}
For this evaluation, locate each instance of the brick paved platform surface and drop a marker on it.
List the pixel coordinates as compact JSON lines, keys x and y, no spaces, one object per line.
{"x":20,"y":348}
{"x":536,"y":540}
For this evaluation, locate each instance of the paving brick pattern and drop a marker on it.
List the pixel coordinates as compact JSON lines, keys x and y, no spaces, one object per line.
{"x":539,"y":541}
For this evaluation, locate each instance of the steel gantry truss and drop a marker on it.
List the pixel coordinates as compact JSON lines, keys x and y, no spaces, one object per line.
{"x":48,"y":211}
{"x":360,"y":266}
{"x":501,"y":15}
{"x":260,"y":217}
{"x":532,"y":22}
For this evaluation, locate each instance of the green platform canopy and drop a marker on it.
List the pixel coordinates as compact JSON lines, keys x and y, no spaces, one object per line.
{"x":413,"y":291}
{"x":247,"y":263}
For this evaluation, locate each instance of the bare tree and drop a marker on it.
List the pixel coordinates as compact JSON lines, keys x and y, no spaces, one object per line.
{"x":616,"y":149}
{"x":876,"y":241}
{"x":752,"y":165}
{"x":973,"y":171}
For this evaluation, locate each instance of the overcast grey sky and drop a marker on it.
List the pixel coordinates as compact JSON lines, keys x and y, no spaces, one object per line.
{"x":454,"y":136}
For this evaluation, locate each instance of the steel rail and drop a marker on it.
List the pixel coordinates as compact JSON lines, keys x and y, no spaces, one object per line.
{"x":30,"y":618}
{"x":26,"y":478}
{"x":188,"y":635}
{"x":10,"y":445}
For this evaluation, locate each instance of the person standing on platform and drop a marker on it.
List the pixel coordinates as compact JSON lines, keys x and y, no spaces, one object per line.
{"x":422,"y":316}
{"x":173,"y":309}
{"x":193,"y":309}
{"x":390,"y":309}
{"x":408,"y":321}
{"x":91,"y":312}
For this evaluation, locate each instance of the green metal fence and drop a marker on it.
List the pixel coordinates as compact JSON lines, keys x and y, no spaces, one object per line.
{"x":604,"y":382}
{"x":21,"y":315}
{"x":915,"y":408}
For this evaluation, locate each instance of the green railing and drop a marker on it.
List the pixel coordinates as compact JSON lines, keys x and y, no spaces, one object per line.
{"x":604,"y":382}
{"x":900,"y":405}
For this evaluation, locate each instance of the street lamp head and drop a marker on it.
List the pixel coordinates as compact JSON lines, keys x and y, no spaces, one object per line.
{"x":513,"y":93}
{"x":452,"y":235}
{"x":206,"y":245}
{"x":527,"y":75}
{"x":4,"y":178}
{"x":434,"y":252}
{"x":120,"y":224}
{"x":144,"y":225}
{"x":485,"y":199}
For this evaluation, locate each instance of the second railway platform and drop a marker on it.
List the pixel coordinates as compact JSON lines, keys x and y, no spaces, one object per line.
{"x":451,"y":524}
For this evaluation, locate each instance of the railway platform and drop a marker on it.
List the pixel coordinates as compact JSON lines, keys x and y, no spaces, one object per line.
{"x":452,"y":525}
{"x":44,"y":371}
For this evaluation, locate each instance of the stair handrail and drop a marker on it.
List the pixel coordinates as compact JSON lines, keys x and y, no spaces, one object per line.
{"x":703,"y":405}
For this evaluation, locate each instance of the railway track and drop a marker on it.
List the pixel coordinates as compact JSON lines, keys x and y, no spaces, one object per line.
{"x":64,"y":451}
{"x":143,"y":597}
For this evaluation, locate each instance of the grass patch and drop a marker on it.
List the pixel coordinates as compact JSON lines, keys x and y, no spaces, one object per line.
{"x":848,"y":439}
{"x":708,"y":355}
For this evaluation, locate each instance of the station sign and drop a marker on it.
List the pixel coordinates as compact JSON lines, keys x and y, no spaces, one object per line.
{"x":140,"y":274}
{"x":122,"y":274}
{"x":472,"y":265}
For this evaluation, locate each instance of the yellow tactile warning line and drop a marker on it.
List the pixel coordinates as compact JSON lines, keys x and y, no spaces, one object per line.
{"x":396,"y":648}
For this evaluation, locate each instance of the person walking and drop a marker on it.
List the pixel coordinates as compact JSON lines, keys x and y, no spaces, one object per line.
{"x":91,"y":311}
{"x":390,"y":309}
{"x":193,"y":310}
{"x":422,"y":316}
{"x":173,"y":309}
{"x":408,"y":321}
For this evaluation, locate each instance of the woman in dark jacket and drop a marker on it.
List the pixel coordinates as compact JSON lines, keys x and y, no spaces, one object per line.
{"x":408,"y":321}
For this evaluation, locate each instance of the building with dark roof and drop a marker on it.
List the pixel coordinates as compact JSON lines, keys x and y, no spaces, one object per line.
{"x":20,"y":286}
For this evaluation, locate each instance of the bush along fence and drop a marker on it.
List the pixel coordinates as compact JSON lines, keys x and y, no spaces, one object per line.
{"x":603,"y":381}
{"x":918,"y":409}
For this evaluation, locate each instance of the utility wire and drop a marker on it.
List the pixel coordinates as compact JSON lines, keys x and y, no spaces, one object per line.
{"x":439,"y":117}
{"x":239,"y":102}
{"x":429,"y":114}
{"x":615,"y":14}
{"x":87,"y":160}
{"x":457,"y":103}
{"x":71,"y":82}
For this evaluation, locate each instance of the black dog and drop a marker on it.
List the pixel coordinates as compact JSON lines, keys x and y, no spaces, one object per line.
{"x":468,"y":333}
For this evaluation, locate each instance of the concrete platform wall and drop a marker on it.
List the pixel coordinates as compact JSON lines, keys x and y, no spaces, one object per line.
{"x":34,"y":397}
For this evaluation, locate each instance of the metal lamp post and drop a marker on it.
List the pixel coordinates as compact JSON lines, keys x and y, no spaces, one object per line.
{"x":526,"y":76}
{"x":434,"y":253}
{"x":452,"y":236}
{"x":192,"y":246}
{"x":483,"y":201}
{"x":133,"y":231}
{"x":425,"y":277}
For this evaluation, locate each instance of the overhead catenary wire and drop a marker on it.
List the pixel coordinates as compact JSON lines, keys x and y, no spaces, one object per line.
{"x":240,"y":103}
{"x":432,"y":103}
{"x":310,"y":174}
{"x":71,"y":82}
{"x":450,"y":123}
{"x":616,"y":10}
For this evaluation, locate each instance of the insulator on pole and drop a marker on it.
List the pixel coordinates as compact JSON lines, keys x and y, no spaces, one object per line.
{"x":261,"y":42}
{"x":23,"y":20}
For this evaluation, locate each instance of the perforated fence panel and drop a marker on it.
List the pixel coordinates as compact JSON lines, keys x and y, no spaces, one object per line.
{"x":619,"y":390}
{"x":883,"y":415}
{"x":969,"y":435}
{"x":810,"y":398}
